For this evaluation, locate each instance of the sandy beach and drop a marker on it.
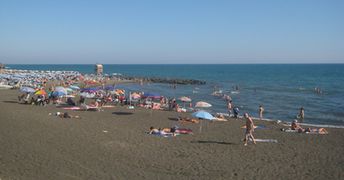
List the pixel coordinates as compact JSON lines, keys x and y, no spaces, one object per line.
{"x":113,"y":144}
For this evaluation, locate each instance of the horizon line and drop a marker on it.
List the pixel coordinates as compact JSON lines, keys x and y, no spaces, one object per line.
{"x":172,"y":63}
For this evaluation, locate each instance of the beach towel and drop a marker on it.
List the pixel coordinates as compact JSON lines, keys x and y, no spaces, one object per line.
{"x":220,"y":119}
{"x":164,"y":134}
{"x":72,"y":108}
{"x":267,"y":140}
{"x":183,"y":131}
{"x":108,"y":106}
{"x":256,"y":127}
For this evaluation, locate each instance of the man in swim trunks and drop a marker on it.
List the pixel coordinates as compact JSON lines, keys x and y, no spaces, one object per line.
{"x":301,"y":113}
{"x":249,"y":129}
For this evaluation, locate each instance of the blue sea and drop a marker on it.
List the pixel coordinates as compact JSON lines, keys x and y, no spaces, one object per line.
{"x":282,"y":89}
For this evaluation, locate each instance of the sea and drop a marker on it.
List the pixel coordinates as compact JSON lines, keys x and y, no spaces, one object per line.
{"x":282,"y":89}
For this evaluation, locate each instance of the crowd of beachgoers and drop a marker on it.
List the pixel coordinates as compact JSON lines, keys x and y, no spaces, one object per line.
{"x":71,"y":90}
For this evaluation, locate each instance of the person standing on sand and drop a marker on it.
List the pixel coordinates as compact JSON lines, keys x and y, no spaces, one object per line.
{"x":229,"y":108}
{"x":301,"y":113}
{"x":249,"y":129}
{"x":261,"y":110}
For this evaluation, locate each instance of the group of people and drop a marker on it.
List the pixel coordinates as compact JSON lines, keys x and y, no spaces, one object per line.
{"x":173,"y":131}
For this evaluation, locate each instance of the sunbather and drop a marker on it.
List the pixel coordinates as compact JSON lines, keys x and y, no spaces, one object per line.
{"x":66,"y":115}
{"x":173,"y":131}
{"x":296,"y":126}
{"x":160,"y":131}
{"x":188,"y":120}
{"x":316,"y":130}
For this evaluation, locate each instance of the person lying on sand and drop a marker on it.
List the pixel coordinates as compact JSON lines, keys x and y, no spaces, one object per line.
{"x":173,"y":130}
{"x":296,"y":126}
{"x":161,"y":131}
{"x":316,"y":131}
{"x":66,"y":115}
{"x":187,"y":120}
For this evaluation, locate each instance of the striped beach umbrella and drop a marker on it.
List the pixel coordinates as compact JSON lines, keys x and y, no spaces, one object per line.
{"x":40,"y":92}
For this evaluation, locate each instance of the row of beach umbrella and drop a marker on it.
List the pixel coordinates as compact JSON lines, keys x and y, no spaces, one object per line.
{"x":89,"y":93}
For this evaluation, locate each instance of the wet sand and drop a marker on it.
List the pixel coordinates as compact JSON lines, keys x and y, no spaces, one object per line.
{"x":112,"y":144}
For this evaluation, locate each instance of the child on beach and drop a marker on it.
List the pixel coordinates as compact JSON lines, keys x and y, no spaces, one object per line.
{"x":301,"y":113}
{"x":236,"y":112}
{"x":249,"y":129}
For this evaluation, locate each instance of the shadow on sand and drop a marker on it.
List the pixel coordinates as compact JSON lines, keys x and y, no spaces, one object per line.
{"x":214,"y":142}
{"x":173,"y":119}
{"x":16,"y":102}
{"x":122,"y":113}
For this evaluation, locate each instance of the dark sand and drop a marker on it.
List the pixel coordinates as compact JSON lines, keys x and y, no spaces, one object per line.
{"x":34,"y":145}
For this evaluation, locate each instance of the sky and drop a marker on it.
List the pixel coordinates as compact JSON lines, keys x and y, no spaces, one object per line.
{"x":171,"y":31}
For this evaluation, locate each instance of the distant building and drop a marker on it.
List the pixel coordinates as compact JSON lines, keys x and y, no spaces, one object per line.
{"x":99,"y":69}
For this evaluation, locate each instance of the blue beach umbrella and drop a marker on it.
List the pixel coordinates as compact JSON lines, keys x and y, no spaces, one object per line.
{"x":87,"y":95}
{"x":90,"y":89}
{"x":74,"y":87}
{"x":27,"y":90}
{"x":59,"y":93}
{"x":109,"y":88}
{"x":203,"y":115}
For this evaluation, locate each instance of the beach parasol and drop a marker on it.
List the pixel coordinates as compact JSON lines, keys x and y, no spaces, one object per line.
{"x":87,"y":95}
{"x":109,"y":88}
{"x":59,"y":93}
{"x":59,"y":88}
{"x":90,"y":89}
{"x":203,"y":115}
{"x":120,"y":91}
{"x":27,"y":90}
{"x":69,"y":90}
{"x":152,"y":95}
{"x":185,"y":99}
{"x":135,"y":96}
{"x":202,"y":104}
{"x":40,"y":92}
{"x":92,"y":82}
{"x":74,"y":87}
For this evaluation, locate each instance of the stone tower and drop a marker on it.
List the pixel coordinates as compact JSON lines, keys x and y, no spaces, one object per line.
{"x":2,"y":67}
{"x":99,"y":69}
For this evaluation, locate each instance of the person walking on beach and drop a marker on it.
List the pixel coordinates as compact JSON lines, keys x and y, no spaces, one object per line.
{"x":261,"y":110}
{"x":236,"y":112}
{"x":249,"y":129}
{"x":229,"y":108}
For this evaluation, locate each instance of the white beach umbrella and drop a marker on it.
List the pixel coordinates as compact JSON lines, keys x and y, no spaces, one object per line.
{"x":185,"y":99}
{"x":202,"y":104}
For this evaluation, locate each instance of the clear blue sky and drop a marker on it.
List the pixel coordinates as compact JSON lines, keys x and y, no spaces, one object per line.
{"x":172,"y":31}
